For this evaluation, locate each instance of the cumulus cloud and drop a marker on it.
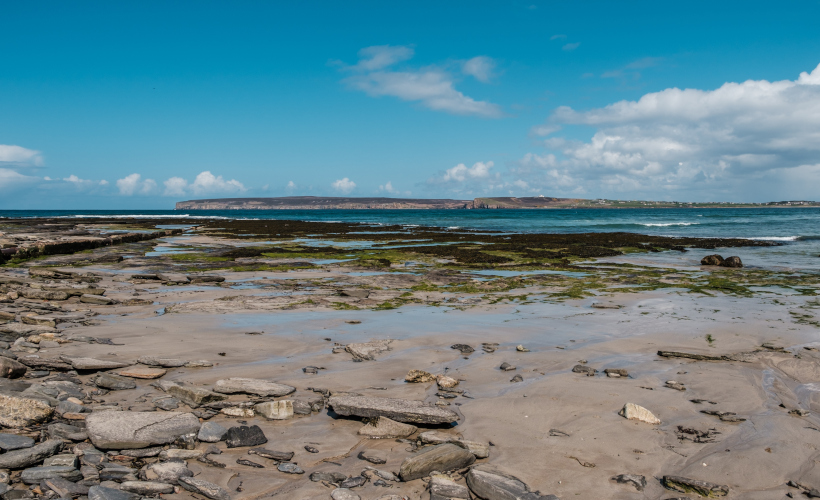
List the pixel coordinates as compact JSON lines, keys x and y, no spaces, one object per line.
{"x":433,"y":87}
{"x":134,"y":184}
{"x":17,"y":156}
{"x":175,"y":186}
{"x":344,"y":186}
{"x":481,"y":68}
{"x":204,"y":183}
{"x":687,"y":141}
{"x":11,"y":180}
{"x":464,"y":179}
{"x":388,"y":187}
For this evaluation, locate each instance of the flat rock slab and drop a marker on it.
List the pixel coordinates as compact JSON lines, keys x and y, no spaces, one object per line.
{"x":93,"y":364}
{"x":195,"y":396}
{"x":120,"y":430}
{"x":204,"y":488}
{"x":9,"y":442}
{"x":384,"y":428}
{"x":255,"y":386}
{"x":16,"y":412}
{"x":103,"y":493}
{"x":491,"y":484}
{"x":39,"y":363}
{"x":442,"y":458}
{"x":368,"y":350}
{"x":443,"y":488}
{"x":163,"y":362}
{"x":18,"y":459}
{"x":114,"y":382}
{"x":702,"y":488}
{"x":142,"y":372}
{"x":36,"y":474}
{"x":98,"y":300}
{"x":400,"y":410}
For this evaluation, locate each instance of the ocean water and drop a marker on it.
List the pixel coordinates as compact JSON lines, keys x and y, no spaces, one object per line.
{"x":798,"y":229}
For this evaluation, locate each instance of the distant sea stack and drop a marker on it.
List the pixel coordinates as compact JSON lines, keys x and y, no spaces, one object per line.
{"x":331,"y":203}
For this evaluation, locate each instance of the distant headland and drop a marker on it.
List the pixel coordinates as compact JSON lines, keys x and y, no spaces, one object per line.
{"x":534,"y":202}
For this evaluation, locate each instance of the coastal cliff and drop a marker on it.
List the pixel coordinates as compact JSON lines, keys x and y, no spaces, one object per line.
{"x":328,"y":203}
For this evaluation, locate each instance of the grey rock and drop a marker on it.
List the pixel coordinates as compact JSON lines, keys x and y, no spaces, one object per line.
{"x":10,"y":442}
{"x":506,"y":367}
{"x":374,"y":457}
{"x":517,"y":378}
{"x":163,"y":362}
{"x":344,"y":494}
{"x":103,"y":493}
{"x":353,"y":482}
{"x":114,"y":382}
{"x":18,"y":459}
{"x":489,"y":483}
{"x":385,"y":428}
{"x":62,"y":460}
{"x":10,"y":368}
{"x":147,"y":487}
{"x":127,"y":429}
{"x":245,"y":436}
{"x":195,"y":396}
{"x":290,"y":468}
{"x":36,"y":474}
{"x":93,"y":364}
{"x":69,"y":407}
{"x":64,"y":488}
{"x":366,"y":351}
{"x":255,"y":386}
{"x":66,"y":431}
{"x":586,"y":370}
{"x":444,"y":488}
{"x":141,"y":452}
{"x":442,"y":458}
{"x":204,"y":488}
{"x":116,"y":472}
{"x":279,"y":456}
{"x":16,"y":412}
{"x":639,"y":482}
{"x":167,"y":472}
{"x":401,"y":410}
{"x":211,"y":432}
{"x":167,"y":404}
{"x":301,"y":407}
{"x":98,"y":300}
{"x":330,"y":477}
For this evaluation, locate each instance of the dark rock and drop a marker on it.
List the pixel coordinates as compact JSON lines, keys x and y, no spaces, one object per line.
{"x":311,"y":370}
{"x":732,"y":262}
{"x":353,"y":482}
{"x":400,"y":410}
{"x":711,"y":260}
{"x":114,"y":382}
{"x":102,"y":493}
{"x":66,"y":431}
{"x":442,"y":458}
{"x":586,"y":370}
{"x":10,"y":442}
{"x":687,"y":485}
{"x":279,"y":456}
{"x":245,"y":436}
{"x":506,"y":367}
{"x":289,"y":468}
{"x":463,"y":348}
{"x":330,"y":477}
{"x":242,"y":461}
{"x":64,"y":488}
{"x":639,"y":482}
{"x":689,"y":355}
{"x":36,"y":474}
{"x":26,"y":457}
{"x":204,"y":488}
{"x":616,"y":372}
{"x":517,"y":378}
{"x":311,"y":449}
{"x":372,"y":457}
{"x":10,"y":368}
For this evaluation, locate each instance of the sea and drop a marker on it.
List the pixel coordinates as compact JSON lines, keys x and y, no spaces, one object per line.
{"x":796,"y":230}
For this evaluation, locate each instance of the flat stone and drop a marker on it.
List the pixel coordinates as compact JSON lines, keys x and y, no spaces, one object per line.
{"x":255,"y":386}
{"x":401,"y":410}
{"x":163,"y":362}
{"x":366,"y":351}
{"x":114,"y":382}
{"x":62,"y":460}
{"x":103,"y":493}
{"x":344,"y":494}
{"x":211,"y":432}
{"x":443,"y":488}
{"x":167,"y":404}
{"x":9,"y":442}
{"x":489,"y":483}
{"x":279,"y":456}
{"x":10,"y":368}
{"x":330,"y":477}
{"x":30,"y":293}
{"x":385,"y":428}
{"x":142,"y":372}
{"x":98,"y":300}
{"x":180,"y":454}
{"x":39,"y":363}
{"x":195,"y":396}
{"x":65,"y":488}
{"x":632,"y":411}
{"x":36,"y":474}
{"x":702,"y":488}
{"x":289,"y":468}
{"x":167,"y":472}
{"x":245,"y":436}
{"x":92,"y":364}
{"x":204,"y":488}
{"x":17,"y":412}
{"x":275,"y":410}
{"x":65,"y":431}
{"x":25,"y":457}
{"x":147,"y":487}
{"x":142,"y":452}
{"x":353,"y":482}
{"x":442,"y":458}
{"x":173,"y":277}
{"x":127,"y":429}
{"x":372,"y":456}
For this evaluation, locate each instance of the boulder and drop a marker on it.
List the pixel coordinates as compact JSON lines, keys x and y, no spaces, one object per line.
{"x":732,"y":262}
{"x":366,"y":351}
{"x":442,"y":458}
{"x":632,"y":411}
{"x":92,"y":364}
{"x":17,"y":412}
{"x":147,"y":488}
{"x":491,"y":484}
{"x":419,"y":377}
{"x":9,"y":442}
{"x":211,"y":432}
{"x":401,"y":410}
{"x":245,"y":436}
{"x":36,"y":474}
{"x":26,"y":457}
{"x":114,"y":382}
{"x":275,"y":410}
{"x":711,"y":260}
{"x":10,"y":368}
{"x":255,"y":386}
{"x":204,"y":488}
{"x":128,"y":429}
{"x":385,"y":428}
{"x":195,"y":396}
{"x":702,"y":488}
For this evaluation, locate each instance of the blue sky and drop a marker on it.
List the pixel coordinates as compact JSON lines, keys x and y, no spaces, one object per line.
{"x":141,"y":104}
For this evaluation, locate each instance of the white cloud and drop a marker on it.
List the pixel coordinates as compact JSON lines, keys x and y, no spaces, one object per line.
{"x":461,"y":172}
{"x":133,"y":184}
{"x":481,"y":68}
{"x":730,"y":141}
{"x":388,"y":187}
{"x":434,"y":88}
{"x":11,"y":180}
{"x":558,"y":37}
{"x":175,"y":186}
{"x":18,"y":156}
{"x":571,"y":46}
{"x":344,"y":186}
{"x":291,"y":186}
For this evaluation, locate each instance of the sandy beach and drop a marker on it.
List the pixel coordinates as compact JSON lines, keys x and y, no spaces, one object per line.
{"x":551,"y":418}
